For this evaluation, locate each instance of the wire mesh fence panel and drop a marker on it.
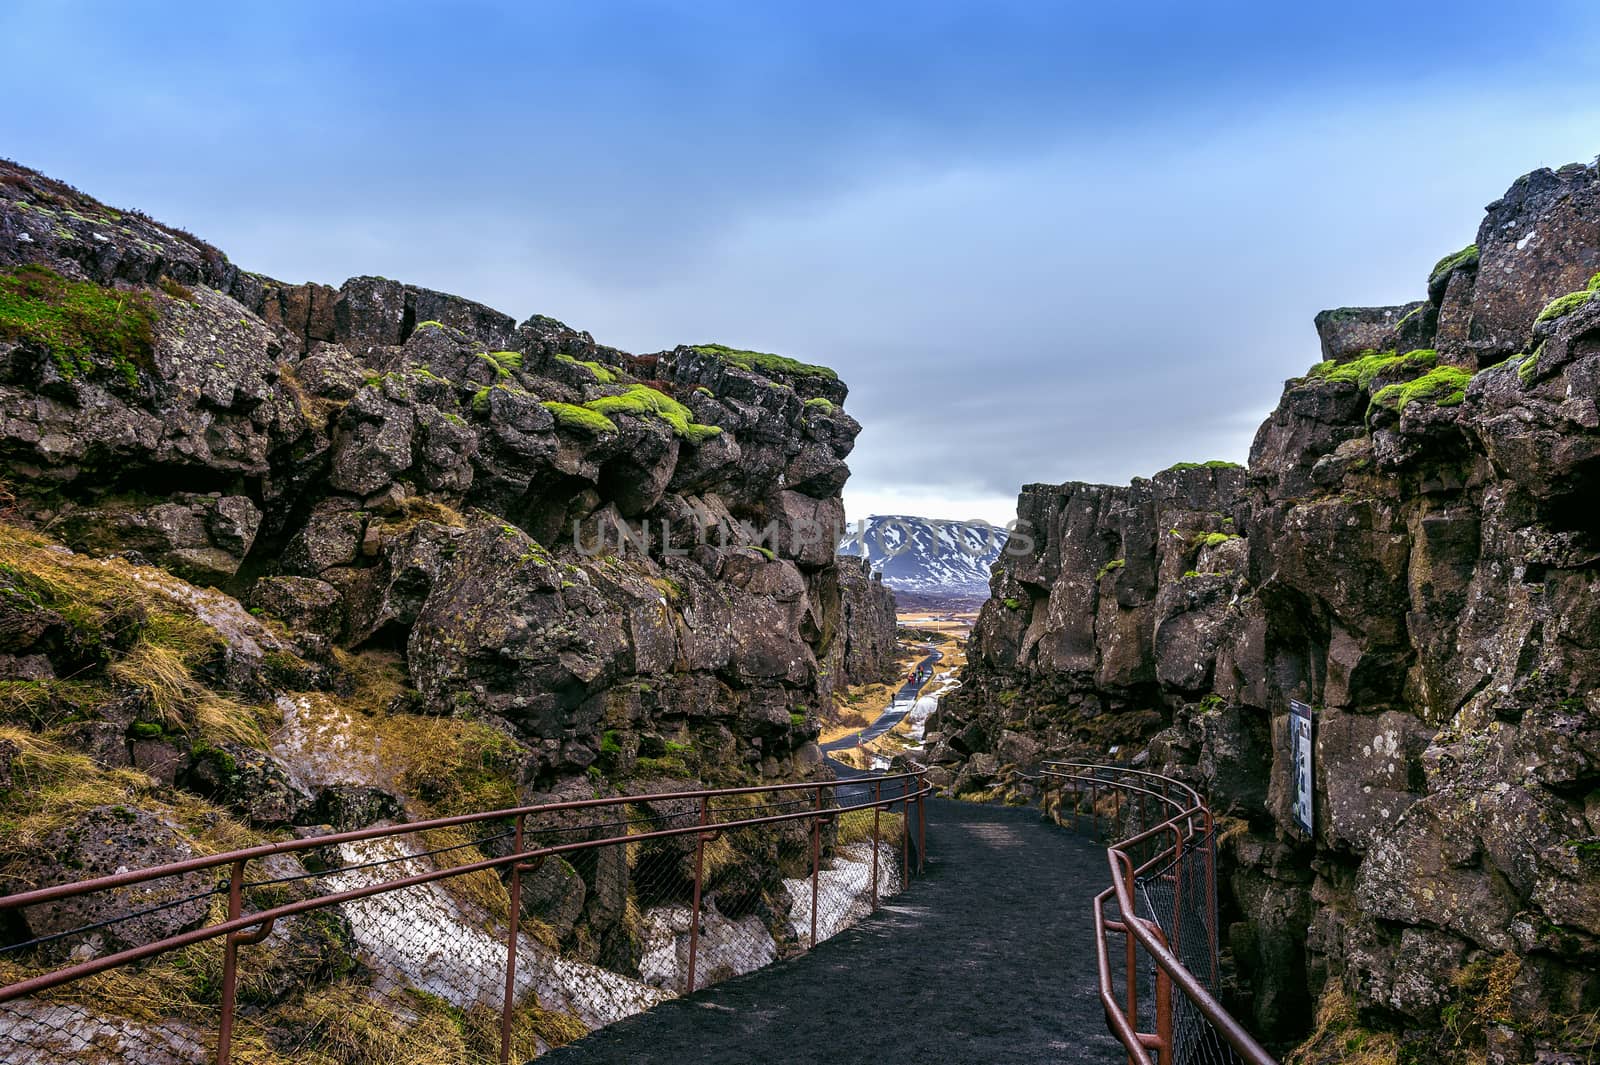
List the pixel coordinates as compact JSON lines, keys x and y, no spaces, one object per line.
{"x":438,"y":945}
{"x":155,"y":1011}
{"x":1163,"y":854}
{"x":860,"y":867}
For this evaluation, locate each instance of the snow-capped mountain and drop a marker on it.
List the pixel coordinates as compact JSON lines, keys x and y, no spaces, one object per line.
{"x":927,"y":555}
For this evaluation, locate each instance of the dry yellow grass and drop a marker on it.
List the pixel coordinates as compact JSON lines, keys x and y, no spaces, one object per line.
{"x":855,"y":826}
{"x":148,"y":640}
{"x":1338,"y":1037}
{"x":183,"y":703}
{"x":57,"y":785}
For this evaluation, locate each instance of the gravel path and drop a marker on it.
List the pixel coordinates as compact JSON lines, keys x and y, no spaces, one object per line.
{"x":989,"y":958}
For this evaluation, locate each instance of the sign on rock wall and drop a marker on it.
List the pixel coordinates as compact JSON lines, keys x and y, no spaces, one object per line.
{"x":1300,"y":718}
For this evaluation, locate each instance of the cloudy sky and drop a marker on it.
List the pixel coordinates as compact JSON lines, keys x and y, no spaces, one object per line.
{"x":1040,"y":241}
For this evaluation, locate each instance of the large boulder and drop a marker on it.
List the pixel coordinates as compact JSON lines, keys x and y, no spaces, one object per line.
{"x":202,"y":538}
{"x":99,"y":842}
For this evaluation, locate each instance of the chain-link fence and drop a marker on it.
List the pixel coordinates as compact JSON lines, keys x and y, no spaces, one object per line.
{"x":1157,"y":924}
{"x":478,"y":939}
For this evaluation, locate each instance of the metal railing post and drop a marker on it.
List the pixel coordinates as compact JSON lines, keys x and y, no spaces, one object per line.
{"x":1211,"y":896}
{"x":230,"y":965}
{"x":922,"y":829}
{"x":1094,"y":808}
{"x":905,"y":835}
{"x":877,"y":813}
{"x":1133,"y":978}
{"x":514,"y":919}
{"x":816,"y":861}
{"x":699,"y":877}
{"x":1177,"y":891}
{"x":1164,"y":1016}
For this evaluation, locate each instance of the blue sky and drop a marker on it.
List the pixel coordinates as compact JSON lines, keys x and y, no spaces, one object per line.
{"x":1040,"y":241}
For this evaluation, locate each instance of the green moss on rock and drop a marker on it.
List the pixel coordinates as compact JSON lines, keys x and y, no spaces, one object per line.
{"x":1210,"y":464}
{"x":1370,"y":365}
{"x":572,"y":416}
{"x":1528,"y":368}
{"x":76,"y":321}
{"x":1444,"y":386}
{"x":601,"y":372}
{"x":643,"y":401}
{"x":1466,"y":257}
{"x":1565,"y":305}
{"x":765,"y":362}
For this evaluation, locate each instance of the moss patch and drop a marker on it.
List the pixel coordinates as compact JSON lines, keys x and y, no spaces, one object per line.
{"x":1370,"y":365}
{"x":1110,"y":567}
{"x":1211,"y":464}
{"x":643,"y":401}
{"x":765,"y":362}
{"x":1445,"y":386}
{"x":1528,"y":368}
{"x":571,"y":416}
{"x":1565,"y":305}
{"x":75,"y":321}
{"x":602,"y":373}
{"x":1466,"y":257}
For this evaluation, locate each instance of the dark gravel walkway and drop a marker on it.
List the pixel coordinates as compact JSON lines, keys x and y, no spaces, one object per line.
{"x":989,"y":958}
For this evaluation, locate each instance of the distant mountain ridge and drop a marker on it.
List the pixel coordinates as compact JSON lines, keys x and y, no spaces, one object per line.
{"x":927,"y":555}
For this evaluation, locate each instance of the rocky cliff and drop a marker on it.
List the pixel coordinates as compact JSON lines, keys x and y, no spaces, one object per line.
{"x":1414,"y":550}
{"x":865,"y":653}
{"x":275,"y":557}
{"x":559,"y":536}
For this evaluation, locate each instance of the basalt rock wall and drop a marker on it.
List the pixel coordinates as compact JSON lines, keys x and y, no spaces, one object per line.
{"x":867,"y":652}
{"x":1414,"y":550}
{"x":605,"y":553}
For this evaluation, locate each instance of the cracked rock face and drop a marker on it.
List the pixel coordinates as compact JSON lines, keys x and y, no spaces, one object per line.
{"x":378,"y":464}
{"x":1414,"y":550}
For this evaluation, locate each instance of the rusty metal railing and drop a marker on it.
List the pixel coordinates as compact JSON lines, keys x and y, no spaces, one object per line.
{"x":797,"y":816}
{"x":1162,"y":903}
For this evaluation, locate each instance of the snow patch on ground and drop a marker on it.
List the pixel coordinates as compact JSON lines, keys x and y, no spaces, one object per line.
{"x":36,"y":1032}
{"x":319,"y":745}
{"x":917,"y":719}
{"x":726,"y":948}
{"x":242,"y":631}
{"x":844,"y":891}
{"x":423,"y":937}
